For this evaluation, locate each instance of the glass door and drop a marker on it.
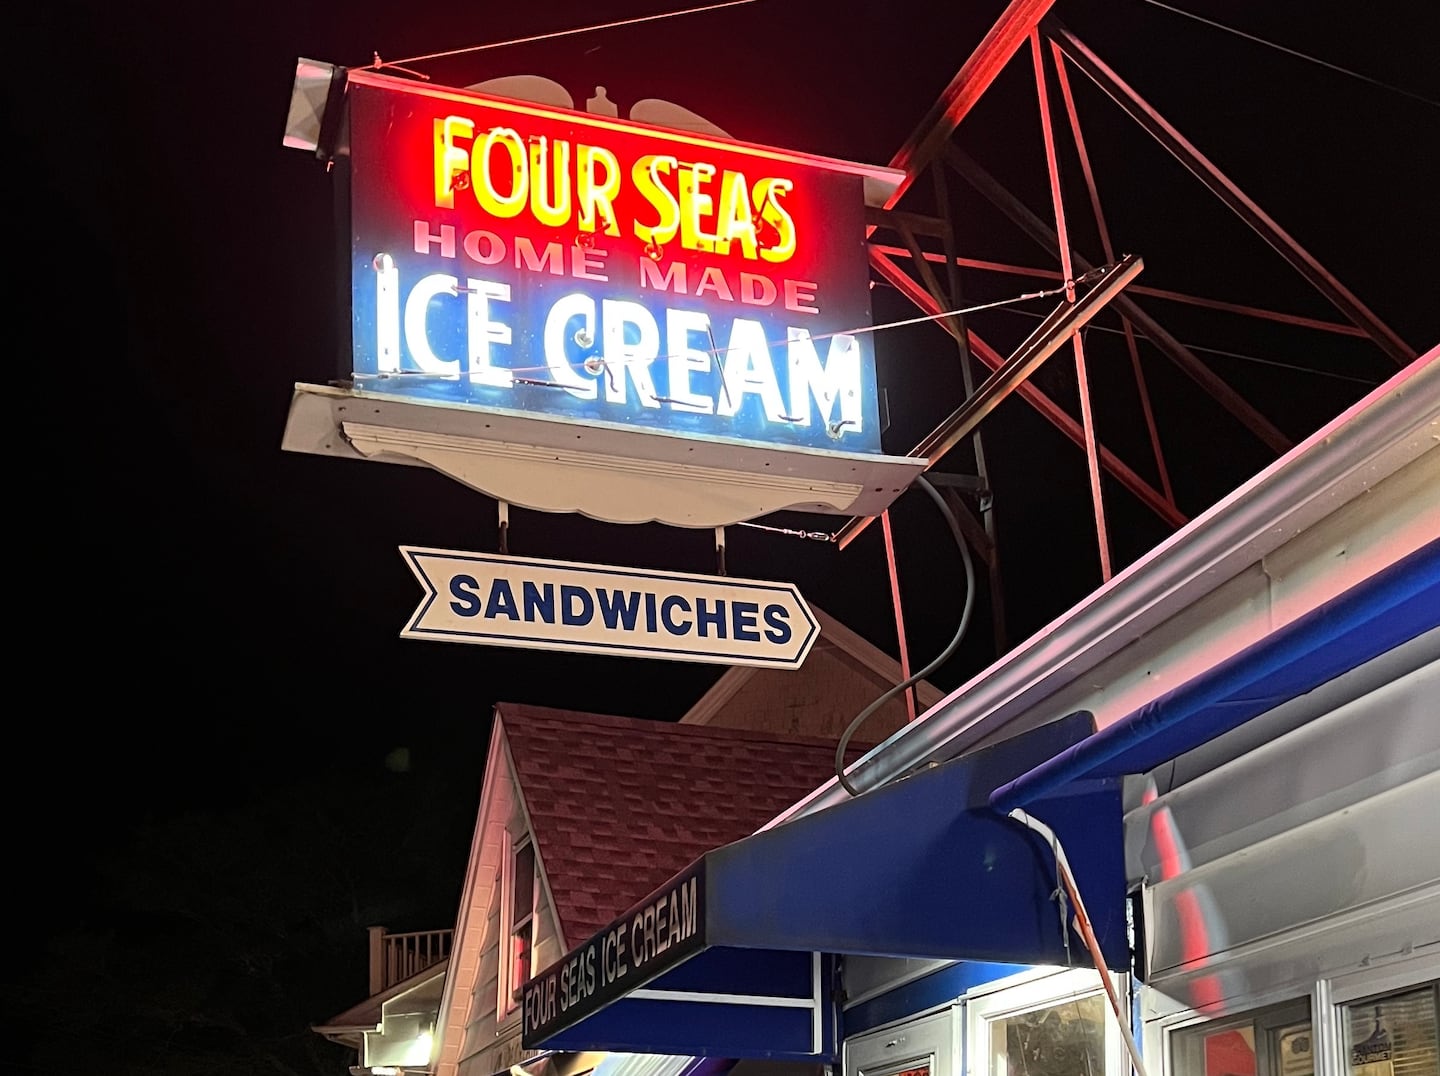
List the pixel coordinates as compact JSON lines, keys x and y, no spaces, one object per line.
{"x":1059,"y":1025}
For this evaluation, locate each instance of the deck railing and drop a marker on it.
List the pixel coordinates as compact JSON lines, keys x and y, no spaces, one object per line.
{"x":396,"y":957}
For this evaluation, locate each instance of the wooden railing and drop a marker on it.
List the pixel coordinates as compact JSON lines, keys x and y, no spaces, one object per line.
{"x":396,"y":957}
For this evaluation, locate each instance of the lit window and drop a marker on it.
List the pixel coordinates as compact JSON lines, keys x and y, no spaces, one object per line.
{"x":1394,"y":1035}
{"x":1276,"y":1041}
{"x":1045,"y":1023}
{"x":1065,"y":1039}
{"x":522,"y":918}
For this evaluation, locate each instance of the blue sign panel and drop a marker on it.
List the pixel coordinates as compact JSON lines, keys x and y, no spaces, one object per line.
{"x":666,"y":930}
{"x":509,"y":257}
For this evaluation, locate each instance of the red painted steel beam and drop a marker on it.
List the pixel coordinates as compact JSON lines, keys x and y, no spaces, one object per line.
{"x":1082,"y":377}
{"x":969,"y":84}
{"x":1153,"y":331}
{"x":910,"y":707}
{"x":1109,"y":248}
{"x":1155,"y":125}
{"x":1057,"y":415}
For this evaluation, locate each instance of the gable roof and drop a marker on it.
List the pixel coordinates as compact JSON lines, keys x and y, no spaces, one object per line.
{"x":855,"y":650}
{"x":619,"y":805}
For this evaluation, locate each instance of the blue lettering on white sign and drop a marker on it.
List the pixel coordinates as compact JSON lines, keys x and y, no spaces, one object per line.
{"x":747,"y":320}
{"x":512,"y":601}
{"x":627,"y":609}
{"x":502,"y":601}
{"x":478,"y":342}
{"x":777,"y":631}
{"x":617,"y":610}
{"x":466,"y":603}
{"x":745,"y":613}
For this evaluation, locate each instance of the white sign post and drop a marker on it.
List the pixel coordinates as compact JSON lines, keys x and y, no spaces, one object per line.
{"x":496,"y":600}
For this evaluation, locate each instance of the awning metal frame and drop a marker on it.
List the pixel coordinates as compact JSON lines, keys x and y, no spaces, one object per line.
{"x":752,"y":966}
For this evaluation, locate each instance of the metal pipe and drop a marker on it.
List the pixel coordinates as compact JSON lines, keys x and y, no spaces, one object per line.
{"x":1086,"y":927}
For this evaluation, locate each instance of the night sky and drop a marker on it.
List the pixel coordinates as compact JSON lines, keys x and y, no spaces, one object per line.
{"x":225,"y":762}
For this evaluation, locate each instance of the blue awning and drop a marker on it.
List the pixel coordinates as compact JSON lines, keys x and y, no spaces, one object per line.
{"x":591,"y":1063}
{"x":1393,"y":606}
{"x":736,"y":956}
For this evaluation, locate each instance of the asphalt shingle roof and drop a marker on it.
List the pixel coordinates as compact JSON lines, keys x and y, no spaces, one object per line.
{"x":619,"y":805}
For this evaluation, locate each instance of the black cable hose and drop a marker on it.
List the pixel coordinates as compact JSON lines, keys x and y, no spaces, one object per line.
{"x":923,"y":483}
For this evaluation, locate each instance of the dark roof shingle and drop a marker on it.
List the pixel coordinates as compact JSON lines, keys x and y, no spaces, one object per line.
{"x":619,"y":805}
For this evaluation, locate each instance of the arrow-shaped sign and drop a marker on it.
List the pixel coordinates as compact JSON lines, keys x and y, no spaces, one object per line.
{"x":496,"y":600}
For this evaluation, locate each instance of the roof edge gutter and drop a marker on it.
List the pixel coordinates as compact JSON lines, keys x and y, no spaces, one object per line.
{"x":1391,"y":426}
{"x":1356,"y":612}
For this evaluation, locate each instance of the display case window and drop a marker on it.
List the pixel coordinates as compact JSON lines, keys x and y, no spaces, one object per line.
{"x":1057,"y":1024}
{"x":1274,"y":1041}
{"x":1067,"y":1039}
{"x":1393,"y":1035}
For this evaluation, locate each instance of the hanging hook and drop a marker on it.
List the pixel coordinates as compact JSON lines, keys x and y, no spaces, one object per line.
{"x":719,"y":550}
{"x":381,"y":65}
{"x":504,"y":527}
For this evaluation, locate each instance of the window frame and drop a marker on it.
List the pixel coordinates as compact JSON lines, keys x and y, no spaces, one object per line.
{"x":929,"y":1040}
{"x":1359,"y":987}
{"x":1266,"y":1019}
{"x":1040,"y":992}
{"x":1328,"y":997}
{"x":510,"y":988}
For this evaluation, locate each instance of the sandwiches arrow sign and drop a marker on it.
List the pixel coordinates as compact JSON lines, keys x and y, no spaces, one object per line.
{"x":497,"y":600}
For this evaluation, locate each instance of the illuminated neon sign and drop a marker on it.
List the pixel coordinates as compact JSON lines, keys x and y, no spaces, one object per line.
{"x":511,"y":257}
